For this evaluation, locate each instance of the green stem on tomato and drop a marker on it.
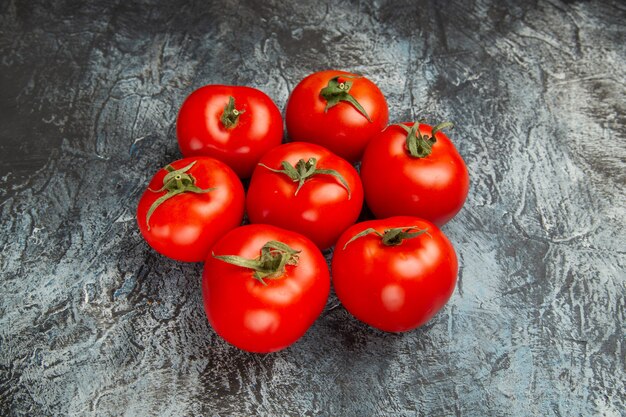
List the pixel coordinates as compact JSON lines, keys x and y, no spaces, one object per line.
{"x":390,"y":237}
{"x":230,"y":116}
{"x":303,"y":170}
{"x":176,"y":181}
{"x":270,"y":264}
{"x":337,"y":91}
{"x":420,"y":146}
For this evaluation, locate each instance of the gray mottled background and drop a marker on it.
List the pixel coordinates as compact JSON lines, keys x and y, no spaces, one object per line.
{"x":93,"y":322}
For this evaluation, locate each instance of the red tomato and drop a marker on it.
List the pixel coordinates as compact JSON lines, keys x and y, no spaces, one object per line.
{"x":236,"y":125}
{"x":338,"y":110}
{"x":264,"y":287}
{"x":194,"y":201}
{"x":316,"y":193}
{"x":397,"y":274}
{"x":396,"y":183}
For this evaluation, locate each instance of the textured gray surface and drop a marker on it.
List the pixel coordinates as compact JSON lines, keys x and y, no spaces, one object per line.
{"x":93,"y":322}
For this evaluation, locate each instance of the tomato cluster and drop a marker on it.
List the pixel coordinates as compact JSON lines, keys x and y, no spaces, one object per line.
{"x":264,"y":284}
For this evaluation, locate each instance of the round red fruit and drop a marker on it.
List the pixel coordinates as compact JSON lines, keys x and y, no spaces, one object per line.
{"x":394,"y":274}
{"x":414,"y":170}
{"x":188,"y":205}
{"x":236,"y":125}
{"x":305,"y":188}
{"x":338,"y":110}
{"x":264,"y":287}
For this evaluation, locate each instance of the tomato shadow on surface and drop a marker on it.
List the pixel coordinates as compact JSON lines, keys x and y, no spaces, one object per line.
{"x":354,"y":336}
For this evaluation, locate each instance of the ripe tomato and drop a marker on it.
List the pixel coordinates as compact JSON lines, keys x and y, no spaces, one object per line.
{"x":305,"y":188}
{"x":264,"y":287}
{"x":338,"y":110}
{"x":188,"y":205}
{"x":412,"y":174}
{"x":394,"y":274}
{"x":236,"y":125}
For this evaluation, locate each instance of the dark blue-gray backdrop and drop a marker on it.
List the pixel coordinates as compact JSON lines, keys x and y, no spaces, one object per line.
{"x":93,"y":322}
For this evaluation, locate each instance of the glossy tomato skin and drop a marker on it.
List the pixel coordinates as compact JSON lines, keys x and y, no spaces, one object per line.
{"x":342,"y":129}
{"x":321,"y":211}
{"x":264,"y":318}
{"x":396,"y":184}
{"x":185,"y":226}
{"x":394,"y":288}
{"x":200,"y":131}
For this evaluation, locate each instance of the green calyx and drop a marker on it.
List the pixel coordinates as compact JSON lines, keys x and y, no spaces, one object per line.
{"x":176,"y":181}
{"x":271,"y":264}
{"x":230,"y":116}
{"x":420,"y":146}
{"x":337,"y":91}
{"x":391,"y":237}
{"x":303,"y":170}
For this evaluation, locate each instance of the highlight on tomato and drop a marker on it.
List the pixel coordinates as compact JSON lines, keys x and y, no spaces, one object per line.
{"x":338,"y":110}
{"x":394,"y":274}
{"x":233,"y":124}
{"x":413,"y":169}
{"x":188,"y":205}
{"x":305,"y":188}
{"x":264,"y":287}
